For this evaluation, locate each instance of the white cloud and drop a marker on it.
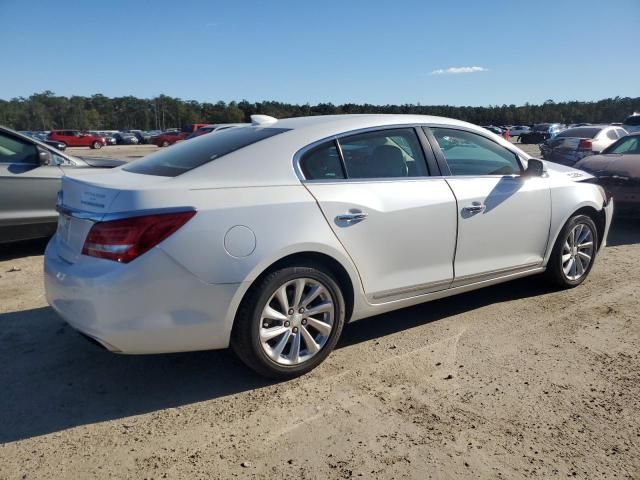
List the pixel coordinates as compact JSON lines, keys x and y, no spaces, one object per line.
{"x":456,"y":70}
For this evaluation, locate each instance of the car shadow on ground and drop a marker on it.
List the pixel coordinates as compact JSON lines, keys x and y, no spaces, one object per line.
{"x":53,"y":379}
{"x":28,"y":248}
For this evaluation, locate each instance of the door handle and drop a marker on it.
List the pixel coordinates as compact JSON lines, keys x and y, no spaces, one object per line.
{"x":352,"y":217}
{"x":475,"y":208}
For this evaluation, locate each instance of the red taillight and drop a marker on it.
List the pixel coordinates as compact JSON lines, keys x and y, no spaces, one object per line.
{"x":123,"y":240}
{"x":585,"y":144}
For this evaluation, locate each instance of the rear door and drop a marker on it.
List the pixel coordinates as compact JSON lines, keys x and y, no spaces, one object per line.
{"x":28,"y":190}
{"x":503,"y":216}
{"x":396,"y":222}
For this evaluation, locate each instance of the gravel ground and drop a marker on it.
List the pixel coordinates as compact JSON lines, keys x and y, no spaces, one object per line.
{"x":512,"y":381}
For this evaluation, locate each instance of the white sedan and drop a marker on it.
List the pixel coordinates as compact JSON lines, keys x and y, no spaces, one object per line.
{"x":269,"y":238}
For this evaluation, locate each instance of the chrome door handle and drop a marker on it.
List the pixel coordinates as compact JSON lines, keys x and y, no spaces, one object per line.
{"x":474,"y":208}
{"x":352,"y":217}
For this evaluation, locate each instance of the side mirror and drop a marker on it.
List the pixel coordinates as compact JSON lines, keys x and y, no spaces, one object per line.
{"x":44,"y":156}
{"x":535,"y":168}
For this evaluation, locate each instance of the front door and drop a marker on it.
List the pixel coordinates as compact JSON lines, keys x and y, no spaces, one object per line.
{"x":28,"y":190}
{"x":397,"y":224}
{"x":503,"y":216}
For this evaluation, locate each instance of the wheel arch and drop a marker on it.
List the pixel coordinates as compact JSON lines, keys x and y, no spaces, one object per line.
{"x":330,"y":263}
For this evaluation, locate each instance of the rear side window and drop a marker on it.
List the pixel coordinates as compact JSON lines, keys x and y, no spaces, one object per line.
{"x":384,"y":154}
{"x":188,"y":155}
{"x":612,"y":135}
{"x":322,"y":163}
{"x":15,"y":150}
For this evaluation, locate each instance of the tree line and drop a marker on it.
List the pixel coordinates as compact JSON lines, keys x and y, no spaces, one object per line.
{"x":46,"y":111}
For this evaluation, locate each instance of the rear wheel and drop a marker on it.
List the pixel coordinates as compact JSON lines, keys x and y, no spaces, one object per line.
{"x":573,"y":253}
{"x":289,"y":322}
{"x":165,"y":144}
{"x":96,"y":145}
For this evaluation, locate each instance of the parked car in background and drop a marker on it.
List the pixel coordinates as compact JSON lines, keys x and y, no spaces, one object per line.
{"x":42,"y":138}
{"x":574,"y":144}
{"x":168,"y":138}
{"x":617,"y":170}
{"x":108,"y":137}
{"x":124,"y":138}
{"x":493,"y":129}
{"x":214,"y":128}
{"x":541,"y":132}
{"x":632,"y":123}
{"x":269,"y":238}
{"x":518,"y":130}
{"x":76,"y":138}
{"x":138,"y":134}
{"x":30,"y":173}
{"x":149,"y":134}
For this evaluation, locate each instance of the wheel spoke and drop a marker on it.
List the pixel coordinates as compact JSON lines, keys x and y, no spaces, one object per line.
{"x":320,"y":308}
{"x":282,"y":298}
{"x":569,"y":266}
{"x":585,"y":256}
{"x":273,"y":314}
{"x":565,"y":258}
{"x":322,"y":327}
{"x":310,"y":343}
{"x":579,"y":267}
{"x":267,"y":334}
{"x":299,"y":289}
{"x":312,"y":295}
{"x":279,"y":347}
{"x":294,"y":354}
{"x":585,"y":245}
{"x":567,"y":247}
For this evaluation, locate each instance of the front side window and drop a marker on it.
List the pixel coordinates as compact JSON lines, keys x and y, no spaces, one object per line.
{"x":468,"y":153}
{"x":15,"y":150}
{"x":322,"y":163}
{"x":384,"y":154}
{"x":629,"y":145}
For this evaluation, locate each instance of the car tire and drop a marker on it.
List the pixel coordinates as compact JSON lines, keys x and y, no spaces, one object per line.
{"x":165,"y":144}
{"x":96,"y":145}
{"x":261,"y":315}
{"x":574,"y":252}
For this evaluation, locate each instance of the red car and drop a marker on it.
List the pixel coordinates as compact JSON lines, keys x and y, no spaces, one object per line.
{"x":168,"y":138}
{"x":76,"y":138}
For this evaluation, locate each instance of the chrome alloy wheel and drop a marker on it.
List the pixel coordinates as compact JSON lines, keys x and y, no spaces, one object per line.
{"x":297,"y":321}
{"x":577,"y":251}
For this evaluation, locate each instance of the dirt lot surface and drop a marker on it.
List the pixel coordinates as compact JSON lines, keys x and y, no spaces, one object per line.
{"x":512,"y":381}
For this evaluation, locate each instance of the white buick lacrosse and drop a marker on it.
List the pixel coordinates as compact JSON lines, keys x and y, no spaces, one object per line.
{"x":269,"y":238}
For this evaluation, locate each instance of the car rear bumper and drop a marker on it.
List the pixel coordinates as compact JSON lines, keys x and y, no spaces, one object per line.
{"x":151,"y":305}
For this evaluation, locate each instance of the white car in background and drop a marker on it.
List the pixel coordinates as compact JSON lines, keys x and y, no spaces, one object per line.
{"x":573,"y":144}
{"x":269,"y":238}
{"x":518,"y":130}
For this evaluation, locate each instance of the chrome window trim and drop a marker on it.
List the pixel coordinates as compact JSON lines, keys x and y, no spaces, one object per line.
{"x":107,"y":217}
{"x":335,"y":138}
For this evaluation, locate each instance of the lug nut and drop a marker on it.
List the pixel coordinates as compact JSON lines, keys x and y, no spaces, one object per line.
{"x":301,"y":310}
{"x":295,"y":329}
{"x":304,"y":321}
{"x":265,"y":324}
{"x":291,"y":311}
{"x":286,"y":324}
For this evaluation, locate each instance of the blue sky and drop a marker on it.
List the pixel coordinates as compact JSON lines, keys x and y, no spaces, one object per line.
{"x":324,"y":51}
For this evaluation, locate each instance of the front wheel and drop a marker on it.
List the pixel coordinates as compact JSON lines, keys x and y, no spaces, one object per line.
{"x":289,"y":322}
{"x":574,"y":252}
{"x":96,"y":145}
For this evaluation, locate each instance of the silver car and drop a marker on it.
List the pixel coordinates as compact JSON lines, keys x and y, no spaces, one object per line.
{"x":30,"y":174}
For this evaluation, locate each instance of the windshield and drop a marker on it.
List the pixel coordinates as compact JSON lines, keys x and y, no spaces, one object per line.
{"x":581,"y":132}
{"x":186,"y":156}
{"x":628,"y":145}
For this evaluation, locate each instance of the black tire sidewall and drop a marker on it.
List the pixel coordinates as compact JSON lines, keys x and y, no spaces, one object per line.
{"x":256,"y":357}
{"x":555,"y":267}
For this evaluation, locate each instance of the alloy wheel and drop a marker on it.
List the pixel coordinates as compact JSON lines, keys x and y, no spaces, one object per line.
{"x":297,"y":321}
{"x":577,"y":251}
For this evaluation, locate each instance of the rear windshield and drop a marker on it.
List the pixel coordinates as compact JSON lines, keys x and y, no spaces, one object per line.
{"x":187,"y":155}
{"x":580,"y":132}
{"x":633,"y":120}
